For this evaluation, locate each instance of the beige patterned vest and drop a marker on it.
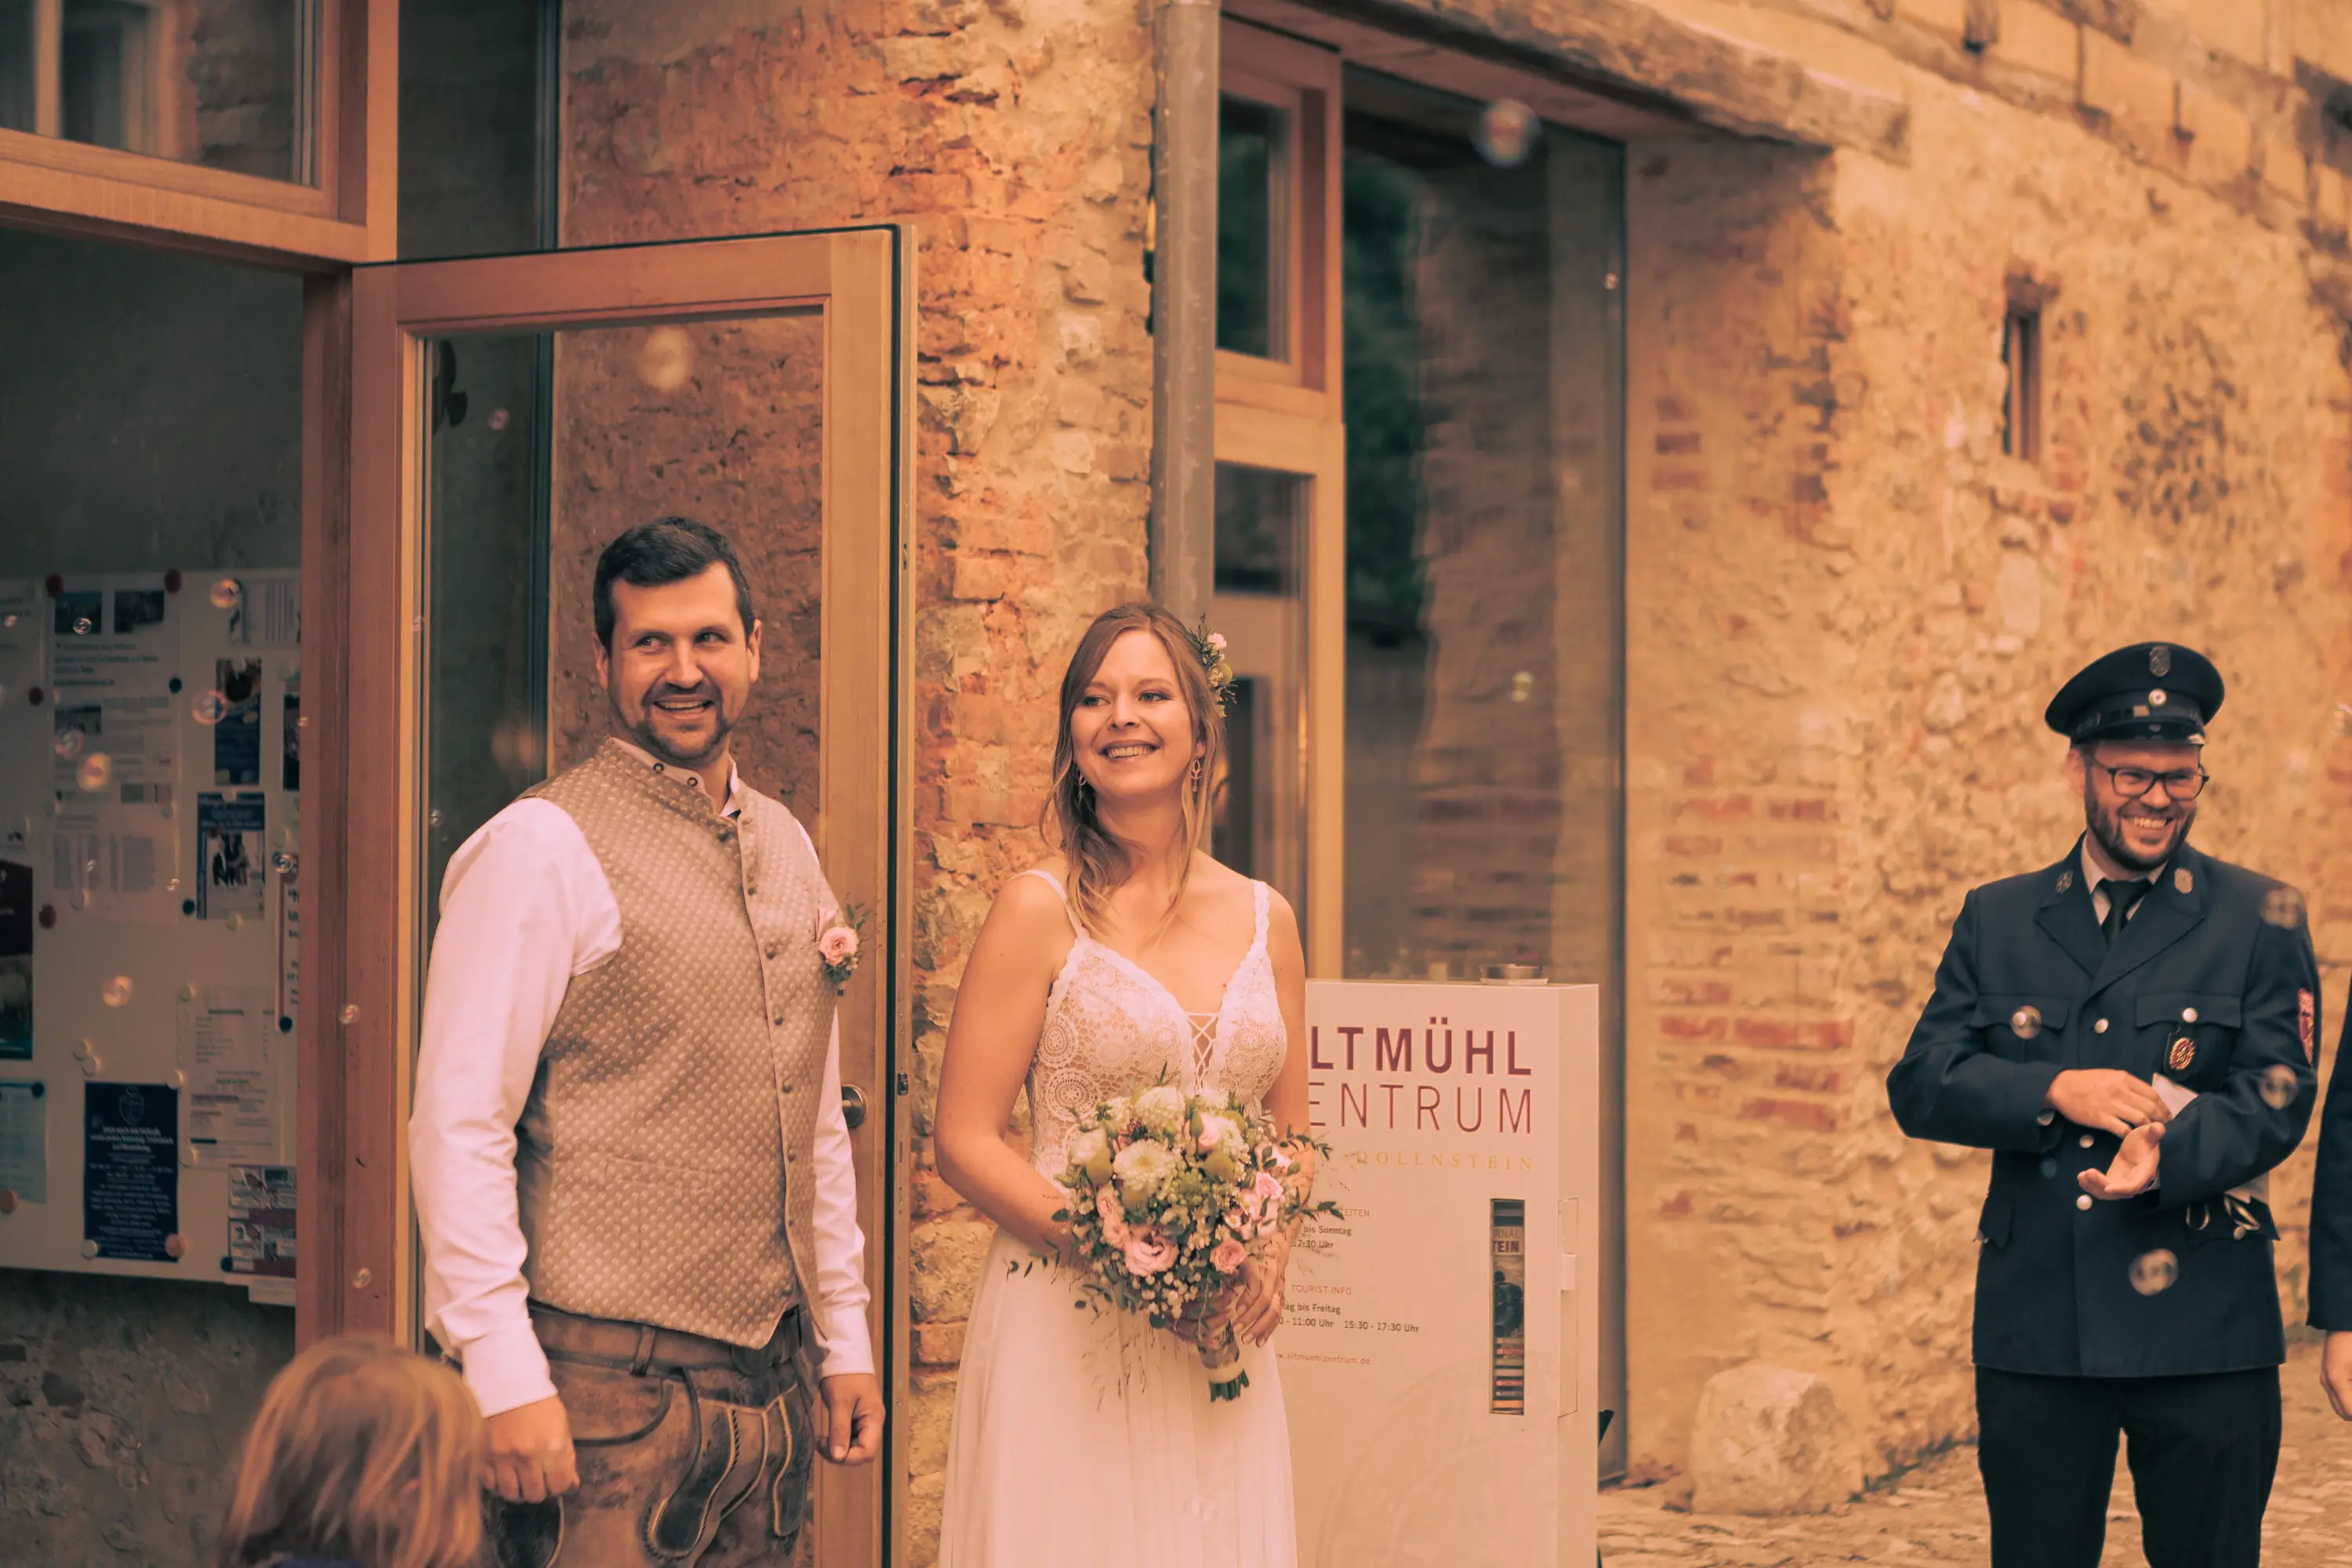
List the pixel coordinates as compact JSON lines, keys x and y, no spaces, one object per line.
{"x":665,"y":1165}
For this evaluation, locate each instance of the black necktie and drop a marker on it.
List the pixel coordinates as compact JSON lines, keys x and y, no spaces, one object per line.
{"x":2122,"y":897}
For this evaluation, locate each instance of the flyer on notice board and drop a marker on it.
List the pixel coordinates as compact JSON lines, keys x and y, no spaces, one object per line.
{"x":231,"y":863}
{"x":16,"y":962}
{"x":24,"y":1140}
{"x":131,"y":1171}
{"x":260,"y":1221}
{"x":234,"y":1078}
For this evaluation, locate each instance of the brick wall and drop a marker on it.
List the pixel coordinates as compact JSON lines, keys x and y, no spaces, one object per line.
{"x":1847,"y":608}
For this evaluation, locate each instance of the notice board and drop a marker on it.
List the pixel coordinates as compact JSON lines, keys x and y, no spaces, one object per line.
{"x":1439,"y":1346}
{"x":149,"y":914}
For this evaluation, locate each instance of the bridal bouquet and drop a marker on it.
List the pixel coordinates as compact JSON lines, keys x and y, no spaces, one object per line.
{"x":1167,"y":1192}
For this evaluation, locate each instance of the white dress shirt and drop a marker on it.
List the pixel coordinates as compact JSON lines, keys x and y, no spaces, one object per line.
{"x":525,"y":906}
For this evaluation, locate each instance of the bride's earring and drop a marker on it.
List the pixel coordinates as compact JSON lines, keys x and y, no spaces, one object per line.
{"x":1196,"y":772}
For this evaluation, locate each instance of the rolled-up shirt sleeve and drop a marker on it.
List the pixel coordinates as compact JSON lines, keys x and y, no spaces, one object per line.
{"x":519,"y":917}
{"x":841,"y":1296}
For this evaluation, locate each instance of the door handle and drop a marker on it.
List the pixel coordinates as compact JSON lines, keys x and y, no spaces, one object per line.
{"x":853,"y":1105}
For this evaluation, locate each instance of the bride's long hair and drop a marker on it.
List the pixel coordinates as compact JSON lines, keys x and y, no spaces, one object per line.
{"x":1098,"y":861}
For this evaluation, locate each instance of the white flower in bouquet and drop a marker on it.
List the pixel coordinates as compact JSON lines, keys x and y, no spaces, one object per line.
{"x":1221,"y":1144}
{"x":1143,"y":1167}
{"x":1160,"y":1109}
{"x":1090,"y":1152}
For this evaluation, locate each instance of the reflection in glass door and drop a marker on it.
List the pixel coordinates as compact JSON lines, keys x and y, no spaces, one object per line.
{"x":512,"y":416}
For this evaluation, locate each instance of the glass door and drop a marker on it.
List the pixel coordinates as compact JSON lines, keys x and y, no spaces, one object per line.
{"x":510,"y":416}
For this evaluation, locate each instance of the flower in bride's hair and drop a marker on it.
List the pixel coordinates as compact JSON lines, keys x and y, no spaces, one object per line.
{"x":1147,"y":1250}
{"x":1209,"y":647}
{"x":1160,"y":1109}
{"x":1143,"y":1167}
{"x":1090,"y":1152}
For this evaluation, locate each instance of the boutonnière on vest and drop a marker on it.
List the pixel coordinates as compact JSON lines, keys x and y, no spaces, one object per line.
{"x":836,"y":942}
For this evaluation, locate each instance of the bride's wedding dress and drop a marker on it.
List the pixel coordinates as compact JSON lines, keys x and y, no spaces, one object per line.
{"x":1088,"y":1439}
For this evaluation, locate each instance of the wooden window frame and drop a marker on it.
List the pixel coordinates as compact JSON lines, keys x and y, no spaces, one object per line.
{"x":347,"y":216}
{"x":1315,"y":450}
{"x":365,"y":373}
{"x":1302,"y":81}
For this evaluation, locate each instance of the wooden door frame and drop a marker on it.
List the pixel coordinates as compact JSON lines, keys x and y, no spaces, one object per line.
{"x":364,"y":554}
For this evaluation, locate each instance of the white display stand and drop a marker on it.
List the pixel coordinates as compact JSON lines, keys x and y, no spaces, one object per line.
{"x":1408,"y":1446}
{"x":146,"y":747}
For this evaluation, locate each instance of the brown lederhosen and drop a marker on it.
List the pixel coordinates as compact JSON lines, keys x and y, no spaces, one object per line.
{"x":692,"y":1453}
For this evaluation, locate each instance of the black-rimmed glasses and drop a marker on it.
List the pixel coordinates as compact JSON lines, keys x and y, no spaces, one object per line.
{"x":2181,"y":784}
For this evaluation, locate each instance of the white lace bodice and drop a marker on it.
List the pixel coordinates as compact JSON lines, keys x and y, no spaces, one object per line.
{"x":1111,"y":1028}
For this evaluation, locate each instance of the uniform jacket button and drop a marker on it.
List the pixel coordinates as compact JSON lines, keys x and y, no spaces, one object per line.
{"x":2083,"y":1202}
{"x":2100,"y":1028}
{"x":2189,"y":1015}
{"x":2046,"y":1118}
{"x":2085,"y":1140}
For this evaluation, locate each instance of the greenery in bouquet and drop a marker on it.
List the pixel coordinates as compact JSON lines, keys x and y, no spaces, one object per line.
{"x":1169,"y":1193}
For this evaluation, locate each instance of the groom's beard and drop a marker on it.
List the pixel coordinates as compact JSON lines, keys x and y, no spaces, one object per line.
{"x":644,"y":735}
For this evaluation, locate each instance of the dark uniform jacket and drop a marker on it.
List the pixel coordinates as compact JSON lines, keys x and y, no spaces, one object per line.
{"x":2331,"y":1201}
{"x":2216,"y":956}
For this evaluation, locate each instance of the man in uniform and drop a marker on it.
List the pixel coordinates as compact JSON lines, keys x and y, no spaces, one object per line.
{"x":2130,"y":1032}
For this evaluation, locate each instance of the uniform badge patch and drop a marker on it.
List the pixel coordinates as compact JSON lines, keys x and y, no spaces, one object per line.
{"x":2157,"y":699}
{"x":2184,"y":1052}
{"x":2183,"y":881}
{"x":2159,"y":662}
{"x":2305,"y":1022}
{"x":2065,"y":880}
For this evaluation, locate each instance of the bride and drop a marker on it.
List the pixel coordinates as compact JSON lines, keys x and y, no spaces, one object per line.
{"x":1086,"y":1438}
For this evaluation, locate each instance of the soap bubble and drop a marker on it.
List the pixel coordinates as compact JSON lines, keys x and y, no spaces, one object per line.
{"x":2280,"y":1086}
{"x":69,"y":741}
{"x":666,"y":360}
{"x":282,"y":861}
{"x":351,"y":1013}
{"x":95,"y":770}
{"x":226,"y":592}
{"x":210,"y":709}
{"x":1506,"y":132}
{"x":83,"y":626}
{"x":8,"y":623}
{"x":498,"y":418}
{"x":2153,"y":1273}
{"x":118,"y":991}
{"x":2283,"y":907}
{"x":2026,"y":1022}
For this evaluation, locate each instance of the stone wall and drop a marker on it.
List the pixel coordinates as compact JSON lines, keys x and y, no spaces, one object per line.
{"x":1847,"y":608}
{"x":1016,"y":138}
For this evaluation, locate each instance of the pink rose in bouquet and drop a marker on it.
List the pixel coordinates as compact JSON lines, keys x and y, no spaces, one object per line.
{"x":1167,"y":1189}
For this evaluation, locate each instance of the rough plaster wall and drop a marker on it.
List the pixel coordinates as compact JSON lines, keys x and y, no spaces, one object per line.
{"x":1016,"y":138}
{"x":122,"y":1405}
{"x":1847,"y":610}
{"x":719,"y":422}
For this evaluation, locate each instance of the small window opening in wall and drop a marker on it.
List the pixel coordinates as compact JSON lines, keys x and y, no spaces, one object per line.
{"x":2020,"y":354}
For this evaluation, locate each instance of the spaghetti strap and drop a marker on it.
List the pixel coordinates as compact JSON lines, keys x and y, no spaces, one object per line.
{"x":1070,"y":914}
{"x":1260,"y":901}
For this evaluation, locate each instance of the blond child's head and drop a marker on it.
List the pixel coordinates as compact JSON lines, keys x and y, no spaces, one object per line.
{"x":361,"y":1451}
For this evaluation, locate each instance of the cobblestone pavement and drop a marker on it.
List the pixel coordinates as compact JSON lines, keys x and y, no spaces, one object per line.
{"x":1935,"y":1515}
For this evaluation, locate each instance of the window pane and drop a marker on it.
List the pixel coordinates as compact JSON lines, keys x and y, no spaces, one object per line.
{"x":226,"y":84}
{"x":474,"y":141}
{"x":1260,"y":826}
{"x":1482,"y":397}
{"x":151,"y":678}
{"x":1253,"y":218}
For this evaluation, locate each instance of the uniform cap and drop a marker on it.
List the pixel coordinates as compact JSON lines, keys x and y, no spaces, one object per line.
{"x":2149,"y":692}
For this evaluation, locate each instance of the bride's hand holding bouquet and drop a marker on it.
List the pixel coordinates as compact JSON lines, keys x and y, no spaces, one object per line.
{"x":1181,"y":1208}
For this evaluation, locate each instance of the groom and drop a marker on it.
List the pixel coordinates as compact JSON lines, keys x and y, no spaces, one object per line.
{"x":631,"y":1168}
